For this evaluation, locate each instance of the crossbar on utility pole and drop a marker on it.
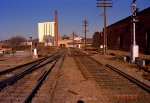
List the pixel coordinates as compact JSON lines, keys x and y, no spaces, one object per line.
{"x":104,"y":4}
{"x":85,"y":24}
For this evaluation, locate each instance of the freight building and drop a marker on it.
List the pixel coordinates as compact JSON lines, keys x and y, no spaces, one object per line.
{"x":119,"y":34}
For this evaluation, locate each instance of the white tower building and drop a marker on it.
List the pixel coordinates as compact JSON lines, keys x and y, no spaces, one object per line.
{"x":46,"y":31}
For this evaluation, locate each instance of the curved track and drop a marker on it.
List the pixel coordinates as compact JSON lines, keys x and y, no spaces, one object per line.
{"x":28,"y":82}
{"x":8,"y":73}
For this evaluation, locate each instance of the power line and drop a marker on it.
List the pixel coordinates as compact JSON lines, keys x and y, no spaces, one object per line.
{"x":93,"y":14}
{"x":114,"y":2}
{"x":97,"y":18}
{"x":93,"y":18}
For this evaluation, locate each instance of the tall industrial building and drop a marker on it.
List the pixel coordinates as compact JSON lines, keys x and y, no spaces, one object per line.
{"x":56,"y":28}
{"x":48,"y":31}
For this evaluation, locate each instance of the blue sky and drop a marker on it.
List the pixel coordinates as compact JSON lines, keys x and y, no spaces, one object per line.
{"x":20,"y":17}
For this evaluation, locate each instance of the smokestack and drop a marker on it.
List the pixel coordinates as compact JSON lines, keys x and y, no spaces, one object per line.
{"x":56,"y":28}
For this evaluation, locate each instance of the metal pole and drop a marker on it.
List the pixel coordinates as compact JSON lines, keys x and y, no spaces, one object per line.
{"x":85,"y":34}
{"x":134,"y":47}
{"x":104,"y":4}
{"x":134,"y":41}
{"x":73,"y":39}
{"x":85,"y":23}
{"x":134,"y":8}
{"x":31,"y":43}
{"x":105,"y":35}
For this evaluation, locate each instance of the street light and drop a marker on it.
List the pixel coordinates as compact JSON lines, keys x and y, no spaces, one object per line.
{"x":31,"y":43}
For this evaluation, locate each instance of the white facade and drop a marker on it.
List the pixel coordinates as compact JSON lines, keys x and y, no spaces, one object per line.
{"x":78,"y":39}
{"x":45,"y":29}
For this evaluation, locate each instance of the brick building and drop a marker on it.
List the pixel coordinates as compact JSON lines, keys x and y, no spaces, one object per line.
{"x":119,"y":34}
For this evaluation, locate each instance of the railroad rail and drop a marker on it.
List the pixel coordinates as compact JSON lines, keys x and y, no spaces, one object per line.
{"x":14,"y":78}
{"x":18,"y":67}
{"x":39,"y":83}
{"x":139,"y":83}
{"x":6,"y":74}
{"x":23,"y":65}
{"x":30,"y":80}
{"x":114,"y":85}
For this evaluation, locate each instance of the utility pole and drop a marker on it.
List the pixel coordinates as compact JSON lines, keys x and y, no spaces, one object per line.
{"x":31,"y":43}
{"x":73,"y":38}
{"x":85,"y":24}
{"x":104,"y":4}
{"x":134,"y":47}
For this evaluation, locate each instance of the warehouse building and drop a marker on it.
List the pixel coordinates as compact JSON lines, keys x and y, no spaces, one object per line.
{"x":120,"y":36}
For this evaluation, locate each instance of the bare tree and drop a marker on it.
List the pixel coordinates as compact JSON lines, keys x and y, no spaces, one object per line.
{"x":16,"y":41}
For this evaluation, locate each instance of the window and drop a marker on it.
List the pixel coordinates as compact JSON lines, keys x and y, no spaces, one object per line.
{"x":138,"y":26}
{"x":126,"y":28}
{"x":116,"y":31}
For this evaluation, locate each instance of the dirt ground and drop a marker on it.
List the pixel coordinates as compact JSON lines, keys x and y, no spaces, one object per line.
{"x":10,"y":60}
{"x":72,"y":87}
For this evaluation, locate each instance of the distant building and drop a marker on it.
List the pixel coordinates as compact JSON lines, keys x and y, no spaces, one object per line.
{"x":46,"y":31}
{"x":98,"y":39}
{"x":65,"y":37}
{"x":4,"y":48}
{"x":1,"y":45}
{"x":67,"y":41}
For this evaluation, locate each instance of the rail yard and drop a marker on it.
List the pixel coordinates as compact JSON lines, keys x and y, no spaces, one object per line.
{"x":71,"y":75}
{"x":46,"y":57}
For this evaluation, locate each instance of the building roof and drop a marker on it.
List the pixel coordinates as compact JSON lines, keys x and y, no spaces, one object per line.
{"x":127,"y":18}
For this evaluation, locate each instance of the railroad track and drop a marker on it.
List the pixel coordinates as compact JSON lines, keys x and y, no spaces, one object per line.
{"x":20,"y":68}
{"x":139,"y":83}
{"x":118,"y":87}
{"x":25,"y":84}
